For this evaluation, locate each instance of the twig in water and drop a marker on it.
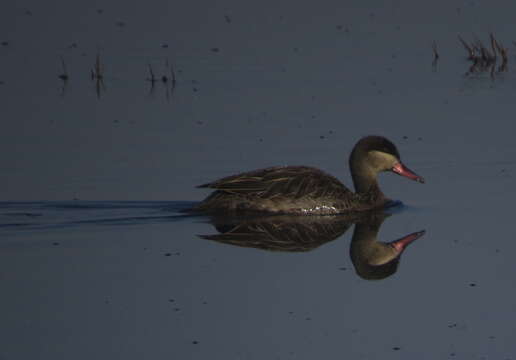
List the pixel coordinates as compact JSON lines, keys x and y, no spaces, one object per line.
{"x":97,"y":74}
{"x":170,"y":91}
{"x":173,"y":75}
{"x":164,"y":78}
{"x":469,"y":49}
{"x":64,"y":75}
{"x":98,"y":69}
{"x":436,"y":54}
{"x":152,"y":78}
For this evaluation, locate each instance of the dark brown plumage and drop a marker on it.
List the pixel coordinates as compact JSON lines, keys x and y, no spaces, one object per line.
{"x":307,"y":190}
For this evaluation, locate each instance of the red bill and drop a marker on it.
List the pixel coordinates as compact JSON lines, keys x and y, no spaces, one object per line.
{"x":402,"y":170}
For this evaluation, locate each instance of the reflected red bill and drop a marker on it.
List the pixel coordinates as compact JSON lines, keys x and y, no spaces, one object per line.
{"x":405,"y":241}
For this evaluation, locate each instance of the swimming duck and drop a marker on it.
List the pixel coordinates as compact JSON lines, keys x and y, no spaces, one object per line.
{"x":307,"y":190}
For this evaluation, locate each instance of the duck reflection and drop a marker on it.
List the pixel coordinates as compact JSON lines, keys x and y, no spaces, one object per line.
{"x":372,"y":259}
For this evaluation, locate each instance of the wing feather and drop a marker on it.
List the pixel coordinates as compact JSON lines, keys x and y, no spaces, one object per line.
{"x":290,"y":181}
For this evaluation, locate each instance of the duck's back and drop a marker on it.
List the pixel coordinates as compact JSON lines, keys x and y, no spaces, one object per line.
{"x":287,"y":189}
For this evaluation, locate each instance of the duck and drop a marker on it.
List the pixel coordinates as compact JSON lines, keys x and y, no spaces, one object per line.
{"x":304,"y":190}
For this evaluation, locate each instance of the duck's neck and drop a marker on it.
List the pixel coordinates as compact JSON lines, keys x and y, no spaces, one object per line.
{"x":367,"y":188}
{"x":365,"y":180}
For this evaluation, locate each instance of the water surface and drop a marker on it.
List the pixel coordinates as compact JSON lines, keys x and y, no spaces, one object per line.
{"x":120,"y":273}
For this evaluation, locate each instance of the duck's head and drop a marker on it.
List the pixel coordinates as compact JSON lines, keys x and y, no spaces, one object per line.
{"x":374,"y":154}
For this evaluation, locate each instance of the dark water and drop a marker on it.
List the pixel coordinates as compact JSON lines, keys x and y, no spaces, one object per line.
{"x":121,"y":273}
{"x":41,"y":216}
{"x":136,"y":279}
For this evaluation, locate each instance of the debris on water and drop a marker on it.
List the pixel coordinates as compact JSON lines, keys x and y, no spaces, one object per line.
{"x":227,"y":18}
{"x":322,"y":137}
{"x":168,"y":254}
{"x":452,"y":325}
{"x":55,"y":243}
{"x":343,"y":268}
{"x":308,"y":318}
{"x":64,"y":75}
{"x":484,"y":59}
{"x":405,"y":137}
{"x":97,"y":75}
{"x":164,"y":45}
{"x":419,"y":138}
{"x":396,"y":348}
{"x":5,"y":43}
{"x":195,"y":342}
{"x":195,"y":89}
{"x":28,"y":12}
{"x":215,"y":49}
{"x":121,"y":24}
{"x":472,"y":284}
{"x":339,"y":27}
{"x":177,"y":309}
{"x":100,"y":11}
{"x":436,"y":54}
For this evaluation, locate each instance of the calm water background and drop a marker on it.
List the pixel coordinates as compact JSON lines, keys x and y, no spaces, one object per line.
{"x":118,"y":274}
